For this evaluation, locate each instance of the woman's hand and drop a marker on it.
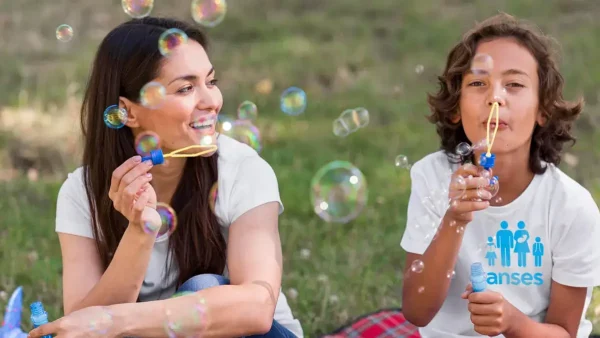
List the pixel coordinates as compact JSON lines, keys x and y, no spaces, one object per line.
{"x":467,"y":193}
{"x":132,"y":194}
{"x":95,"y":321}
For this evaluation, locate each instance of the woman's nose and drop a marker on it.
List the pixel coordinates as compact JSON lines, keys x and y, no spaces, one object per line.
{"x":207,"y":100}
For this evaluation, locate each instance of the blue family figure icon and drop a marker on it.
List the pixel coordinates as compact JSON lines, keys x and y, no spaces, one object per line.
{"x":490,"y":255}
{"x":521,"y":245}
{"x":504,"y":241}
{"x":538,"y":251}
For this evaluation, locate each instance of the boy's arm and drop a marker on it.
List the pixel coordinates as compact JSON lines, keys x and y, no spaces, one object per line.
{"x":562,"y":319}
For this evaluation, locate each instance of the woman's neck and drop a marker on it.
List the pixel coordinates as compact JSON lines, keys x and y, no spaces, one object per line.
{"x":166,"y":177}
{"x":514,"y":175}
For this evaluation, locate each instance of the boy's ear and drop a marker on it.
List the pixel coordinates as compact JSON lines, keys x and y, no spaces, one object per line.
{"x":456,"y":117}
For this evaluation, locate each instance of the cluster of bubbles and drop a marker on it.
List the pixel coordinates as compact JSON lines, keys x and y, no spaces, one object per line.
{"x":207,"y":13}
{"x":350,"y":120}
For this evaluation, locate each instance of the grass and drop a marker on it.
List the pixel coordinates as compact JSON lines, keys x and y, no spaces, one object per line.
{"x":344,"y":54}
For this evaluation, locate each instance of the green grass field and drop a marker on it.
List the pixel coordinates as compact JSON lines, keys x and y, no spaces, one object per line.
{"x":344,"y":54}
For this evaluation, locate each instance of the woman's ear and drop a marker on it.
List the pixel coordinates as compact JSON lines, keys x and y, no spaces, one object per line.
{"x":541,"y":118}
{"x":132,"y":121}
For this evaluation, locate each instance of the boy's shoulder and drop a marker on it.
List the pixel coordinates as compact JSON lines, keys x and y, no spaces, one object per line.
{"x":564,"y":191}
{"x":435,"y":162}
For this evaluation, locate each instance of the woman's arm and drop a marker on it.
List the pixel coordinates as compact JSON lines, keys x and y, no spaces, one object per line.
{"x":244,"y":308}
{"x":85,"y":285}
{"x":562,"y":319}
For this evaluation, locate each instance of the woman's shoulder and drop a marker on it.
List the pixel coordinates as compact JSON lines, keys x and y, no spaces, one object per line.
{"x":74,"y":183}
{"x":234,"y":154}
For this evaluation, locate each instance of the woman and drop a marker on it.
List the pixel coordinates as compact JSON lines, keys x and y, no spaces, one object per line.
{"x":112,"y":260}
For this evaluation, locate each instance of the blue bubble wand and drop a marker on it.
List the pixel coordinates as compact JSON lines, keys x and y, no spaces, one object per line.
{"x":157,"y":156}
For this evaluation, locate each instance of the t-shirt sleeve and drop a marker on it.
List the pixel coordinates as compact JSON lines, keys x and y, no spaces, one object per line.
{"x":423,"y":215}
{"x":255,"y":184}
{"x":575,"y":248}
{"x":72,"y":209}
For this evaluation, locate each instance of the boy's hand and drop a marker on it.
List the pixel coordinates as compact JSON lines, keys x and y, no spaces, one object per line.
{"x":491,"y":314}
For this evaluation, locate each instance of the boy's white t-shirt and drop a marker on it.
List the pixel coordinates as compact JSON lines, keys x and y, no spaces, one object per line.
{"x":245,"y":182}
{"x":559,"y":241}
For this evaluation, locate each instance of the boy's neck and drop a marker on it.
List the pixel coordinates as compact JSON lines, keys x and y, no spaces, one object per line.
{"x":514,"y":175}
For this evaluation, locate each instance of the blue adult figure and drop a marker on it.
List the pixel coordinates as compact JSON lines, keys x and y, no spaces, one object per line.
{"x":538,"y":251}
{"x":504,"y":241}
{"x":521,"y":244}
{"x":490,"y":255}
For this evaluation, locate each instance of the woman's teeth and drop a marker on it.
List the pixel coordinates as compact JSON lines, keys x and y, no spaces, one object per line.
{"x":202,"y":125}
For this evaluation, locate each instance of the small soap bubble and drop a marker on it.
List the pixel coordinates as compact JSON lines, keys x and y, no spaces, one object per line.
{"x":355,"y":118}
{"x":101,"y":322}
{"x":401,"y":161}
{"x":339,"y":128}
{"x":481,"y":145}
{"x":494,"y":186}
{"x":137,"y":8}
{"x":417,"y":266}
{"x":212,"y":196}
{"x":292,"y":293}
{"x":419,"y":69}
{"x":145,"y":142}
{"x":460,"y":229}
{"x":497,"y":200}
{"x":485,"y":174}
{"x":209,"y":13}
{"x":64,"y":33}
{"x":224,"y":123}
{"x":293,"y":101}
{"x":171,"y":39}
{"x":151,"y":228}
{"x":421,"y":289}
{"x":115,"y":117}
{"x":458,"y":186}
{"x":247,"y":110}
{"x":305,"y":253}
{"x":244,"y":131}
{"x":338,"y":192}
{"x":152,"y":95}
{"x":463,"y":149}
{"x":482,"y":64}
{"x":168,"y":219}
{"x":208,"y":140}
{"x":450,"y":274}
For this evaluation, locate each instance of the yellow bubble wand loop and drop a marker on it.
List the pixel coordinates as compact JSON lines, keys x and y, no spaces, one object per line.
{"x":157,"y":156}
{"x":486,"y":160}
{"x":494,"y":110}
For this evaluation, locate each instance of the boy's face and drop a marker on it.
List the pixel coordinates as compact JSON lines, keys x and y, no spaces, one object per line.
{"x":512,"y":81}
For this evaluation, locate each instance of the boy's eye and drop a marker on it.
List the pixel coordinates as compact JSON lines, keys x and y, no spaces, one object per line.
{"x":514,"y":84}
{"x":476,"y":84}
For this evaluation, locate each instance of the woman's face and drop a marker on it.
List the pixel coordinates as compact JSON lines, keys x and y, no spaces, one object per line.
{"x":513,"y":83}
{"x":188,"y":113}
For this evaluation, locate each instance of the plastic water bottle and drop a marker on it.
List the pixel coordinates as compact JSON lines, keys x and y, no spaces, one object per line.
{"x":478,"y":277}
{"x":39,"y":316}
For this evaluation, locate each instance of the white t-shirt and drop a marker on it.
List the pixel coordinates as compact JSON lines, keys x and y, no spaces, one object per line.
{"x":549,"y":233}
{"x":245,"y":182}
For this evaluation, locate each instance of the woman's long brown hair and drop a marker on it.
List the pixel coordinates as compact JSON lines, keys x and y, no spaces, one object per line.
{"x":126,"y":60}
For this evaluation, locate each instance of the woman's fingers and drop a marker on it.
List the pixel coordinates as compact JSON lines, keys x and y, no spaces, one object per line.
{"x":121,"y":170}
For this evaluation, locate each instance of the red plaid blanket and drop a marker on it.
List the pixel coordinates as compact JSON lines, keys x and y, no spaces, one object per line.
{"x":387,"y":323}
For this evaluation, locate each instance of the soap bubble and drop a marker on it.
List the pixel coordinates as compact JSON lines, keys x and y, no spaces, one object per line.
{"x":458,"y":186}
{"x":401,"y":161}
{"x":482,"y":64}
{"x":152,"y":95}
{"x":115,"y":117}
{"x":247,"y":110}
{"x":293,"y":101}
{"x":168,"y":219}
{"x":182,"y":293}
{"x":101,"y":322}
{"x":224,"y":123}
{"x":494,"y":186}
{"x":137,"y":8}
{"x":171,"y":39}
{"x":209,"y":13}
{"x":339,"y":192}
{"x":244,"y":131}
{"x":64,"y":33}
{"x":417,"y":266}
{"x":212,"y":196}
{"x":339,"y":128}
{"x":463,"y":149}
{"x":450,"y":274}
{"x":145,"y":142}
{"x":355,"y":118}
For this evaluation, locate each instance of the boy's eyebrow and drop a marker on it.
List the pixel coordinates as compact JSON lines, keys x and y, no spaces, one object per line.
{"x":512,"y":71}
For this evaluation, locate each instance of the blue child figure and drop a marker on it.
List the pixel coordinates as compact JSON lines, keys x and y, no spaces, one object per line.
{"x":504,"y":241}
{"x":491,"y":252}
{"x":538,"y":251}
{"x":521,"y":247}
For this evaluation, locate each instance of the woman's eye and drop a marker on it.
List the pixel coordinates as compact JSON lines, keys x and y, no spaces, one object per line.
{"x":213,"y":82}
{"x":185,"y":89}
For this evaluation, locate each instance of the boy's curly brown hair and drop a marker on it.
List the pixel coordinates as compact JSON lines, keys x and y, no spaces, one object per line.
{"x":547,"y":140}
